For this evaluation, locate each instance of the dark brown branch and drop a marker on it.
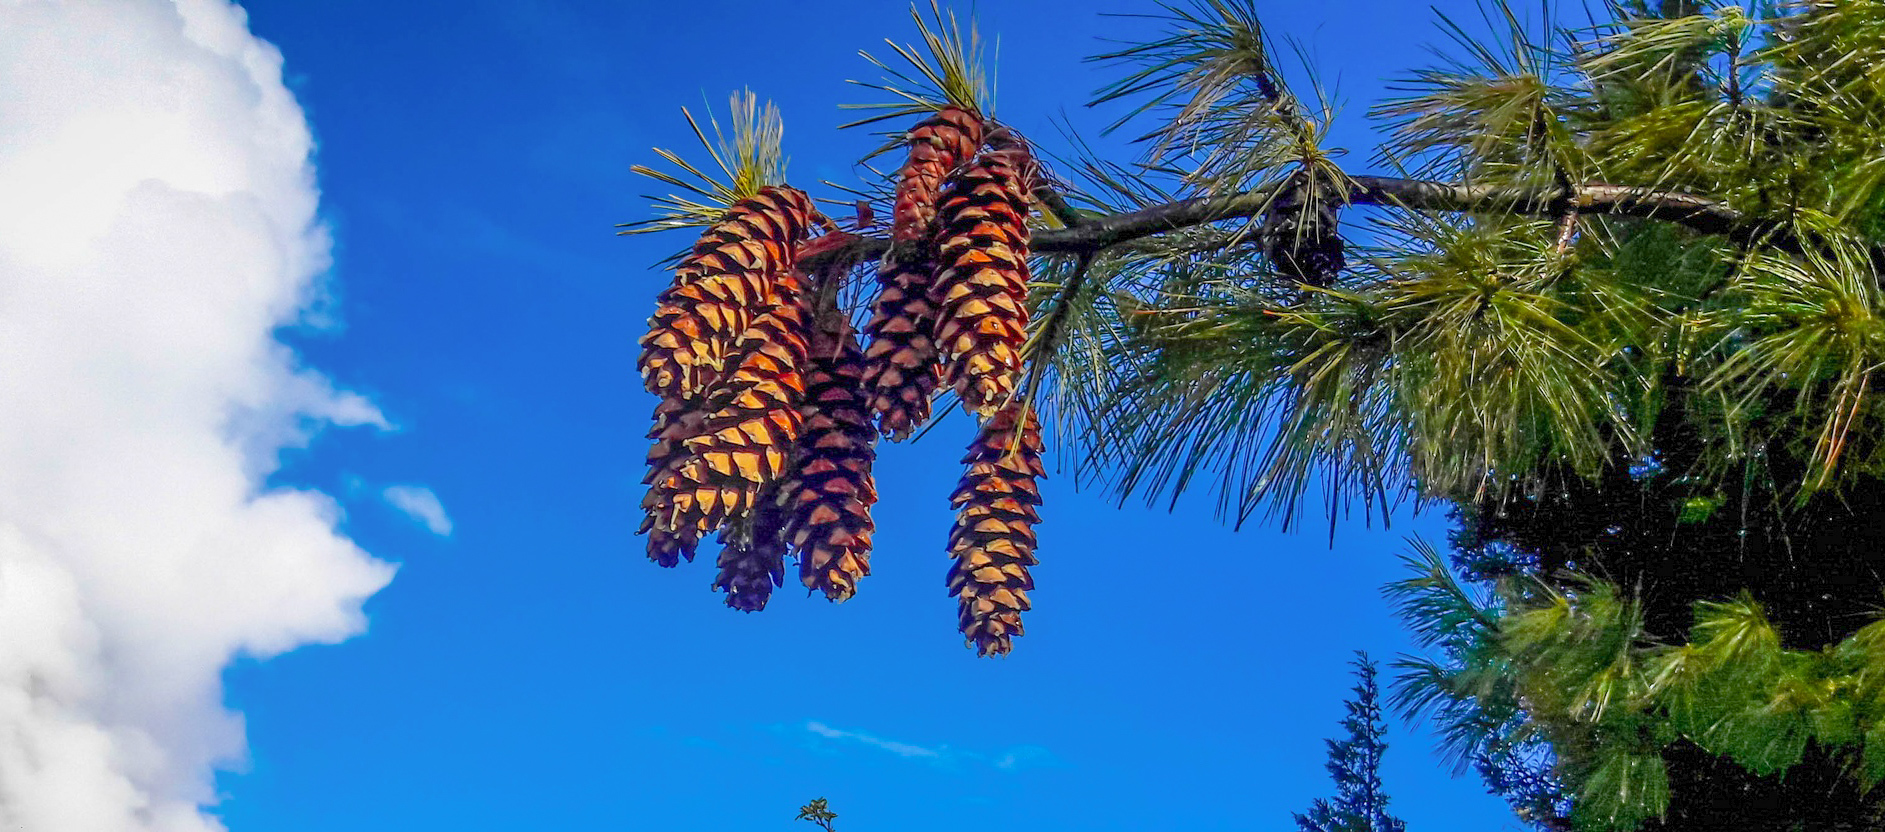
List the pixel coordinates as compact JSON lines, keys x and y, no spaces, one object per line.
{"x":1097,"y":232}
{"x":1703,"y":215}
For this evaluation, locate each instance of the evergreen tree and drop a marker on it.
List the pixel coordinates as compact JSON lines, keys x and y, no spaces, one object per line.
{"x":1616,"y":303}
{"x":1359,"y":805}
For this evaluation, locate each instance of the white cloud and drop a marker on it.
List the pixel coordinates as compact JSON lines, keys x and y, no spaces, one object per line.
{"x":157,"y":224}
{"x":419,"y":503}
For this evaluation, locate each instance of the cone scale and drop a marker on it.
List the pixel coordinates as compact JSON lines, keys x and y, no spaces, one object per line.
{"x":668,"y":541}
{"x":752,"y":421}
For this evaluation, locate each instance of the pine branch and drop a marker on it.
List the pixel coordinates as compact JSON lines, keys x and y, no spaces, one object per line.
{"x":1093,"y":233}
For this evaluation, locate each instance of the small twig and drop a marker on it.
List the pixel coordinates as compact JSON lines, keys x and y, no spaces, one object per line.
{"x":1567,"y":230}
{"x":1055,"y":204}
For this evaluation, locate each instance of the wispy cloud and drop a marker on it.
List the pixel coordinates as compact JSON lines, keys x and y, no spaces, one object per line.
{"x":419,"y":503}
{"x":901,"y":749}
{"x":1013,"y":759}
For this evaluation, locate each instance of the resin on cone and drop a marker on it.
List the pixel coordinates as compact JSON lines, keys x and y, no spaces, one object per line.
{"x":993,"y":539}
{"x":829,"y":495}
{"x":981,"y":286}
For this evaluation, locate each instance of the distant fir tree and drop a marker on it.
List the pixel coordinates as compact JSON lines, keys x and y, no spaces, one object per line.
{"x":1360,"y":805}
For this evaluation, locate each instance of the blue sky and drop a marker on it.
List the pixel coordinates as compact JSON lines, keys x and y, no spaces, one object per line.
{"x":527,"y":669}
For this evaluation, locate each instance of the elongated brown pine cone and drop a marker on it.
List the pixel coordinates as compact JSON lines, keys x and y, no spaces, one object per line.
{"x":747,"y":433}
{"x":752,"y":561}
{"x":900,"y":365}
{"x":981,"y":285}
{"x":993,"y":538}
{"x":829,"y":495}
{"x":718,"y":289}
{"x":729,"y":295}
{"x":937,"y":145}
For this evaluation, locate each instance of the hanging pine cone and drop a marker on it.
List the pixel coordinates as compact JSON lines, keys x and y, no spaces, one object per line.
{"x":980,"y":288}
{"x":752,"y":560}
{"x":900,"y":366}
{"x":937,"y":145}
{"x":1300,"y":233}
{"x":747,"y":437}
{"x":829,"y":495}
{"x":668,"y":541}
{"x":993,"y":539}
{"x":718,"y":290}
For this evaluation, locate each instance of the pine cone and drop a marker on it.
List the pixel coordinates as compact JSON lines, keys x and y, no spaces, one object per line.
{"x":900,"y":367}
{"x":1301,"y":233}
{"x":937,"y":145}
{"x":981,"y":287}
{"x":750,"y":428}
{"x":752,"y":562}
{"x":753,"y":419}
{"x":718,"y":290}
{"x":993,"y":539}
{"x":829,"y":495}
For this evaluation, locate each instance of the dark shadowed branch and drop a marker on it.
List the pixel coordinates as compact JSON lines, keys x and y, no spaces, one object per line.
{"x":1094,"y":233}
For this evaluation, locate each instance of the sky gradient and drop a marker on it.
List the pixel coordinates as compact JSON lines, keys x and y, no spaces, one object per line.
{"x":527,"y":669}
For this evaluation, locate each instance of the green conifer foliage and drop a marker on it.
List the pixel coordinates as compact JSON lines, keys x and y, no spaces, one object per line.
{"x":1612,"y":296}
{"x":1659,"y":430}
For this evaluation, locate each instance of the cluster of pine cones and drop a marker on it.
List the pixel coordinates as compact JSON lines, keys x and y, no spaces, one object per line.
{"x":770,"y":406}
